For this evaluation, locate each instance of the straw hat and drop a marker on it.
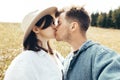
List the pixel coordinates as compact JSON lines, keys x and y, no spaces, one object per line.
{"x":31,"y":19}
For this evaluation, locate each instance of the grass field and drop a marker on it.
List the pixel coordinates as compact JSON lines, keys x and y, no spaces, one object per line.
{"x":11,"y":42}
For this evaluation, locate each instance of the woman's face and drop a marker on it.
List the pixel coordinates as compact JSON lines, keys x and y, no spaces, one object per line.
{"x":45,"y":28}
{"x":49,"y":32}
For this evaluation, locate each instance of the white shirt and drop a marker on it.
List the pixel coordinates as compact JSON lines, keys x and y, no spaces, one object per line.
{"x":30,"y":65}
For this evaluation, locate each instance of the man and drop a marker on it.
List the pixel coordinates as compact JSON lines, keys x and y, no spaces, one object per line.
{"x":89,"y":60}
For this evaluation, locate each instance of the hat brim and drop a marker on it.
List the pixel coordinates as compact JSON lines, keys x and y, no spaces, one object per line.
{"x":39,"y":14}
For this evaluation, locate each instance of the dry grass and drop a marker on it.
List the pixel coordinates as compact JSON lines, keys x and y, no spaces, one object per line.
{"x":11,"y":42}
{"x":107,"y":37}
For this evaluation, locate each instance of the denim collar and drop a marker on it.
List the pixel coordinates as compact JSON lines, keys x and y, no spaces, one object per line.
{"x":85,"y":46}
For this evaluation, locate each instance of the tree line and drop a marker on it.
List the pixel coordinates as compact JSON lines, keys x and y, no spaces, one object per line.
{"x":106,"y":20}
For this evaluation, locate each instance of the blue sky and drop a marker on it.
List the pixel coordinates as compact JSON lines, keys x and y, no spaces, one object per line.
{"x":15,"y":10}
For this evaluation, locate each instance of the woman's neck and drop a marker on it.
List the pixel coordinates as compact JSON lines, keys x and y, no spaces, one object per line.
{"x":44,"y":44}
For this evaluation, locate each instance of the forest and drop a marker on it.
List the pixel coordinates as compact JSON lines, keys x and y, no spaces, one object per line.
{"x":106,"y":20}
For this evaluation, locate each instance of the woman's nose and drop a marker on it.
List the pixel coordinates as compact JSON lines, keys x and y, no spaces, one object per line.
{"x":54,"y":26}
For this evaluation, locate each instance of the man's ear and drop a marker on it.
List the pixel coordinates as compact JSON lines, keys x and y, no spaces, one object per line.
{"x":35,"y":29}
{"x":73,"y":26}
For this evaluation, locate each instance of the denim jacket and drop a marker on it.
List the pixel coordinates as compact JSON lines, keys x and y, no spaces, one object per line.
{"x":93,"y":62}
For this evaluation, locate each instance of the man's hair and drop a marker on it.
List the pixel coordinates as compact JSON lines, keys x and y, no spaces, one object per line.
{"x":79,"y":15}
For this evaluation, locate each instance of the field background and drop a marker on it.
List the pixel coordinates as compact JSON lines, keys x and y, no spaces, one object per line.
{"x":11,"y":42}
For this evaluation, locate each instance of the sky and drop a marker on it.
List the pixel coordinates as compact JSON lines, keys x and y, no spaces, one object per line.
{"x":15,"y":10}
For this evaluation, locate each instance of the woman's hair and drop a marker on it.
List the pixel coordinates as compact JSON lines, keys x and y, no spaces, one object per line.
{"x":31,"y":43}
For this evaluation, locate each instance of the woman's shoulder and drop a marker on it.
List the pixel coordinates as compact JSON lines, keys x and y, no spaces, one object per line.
{"x":23,"y":57}
{"x":25,"y":54}
{"x":27,"y":57}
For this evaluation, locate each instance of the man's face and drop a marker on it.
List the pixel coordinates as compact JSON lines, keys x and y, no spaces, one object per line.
{"x":62,"y":30}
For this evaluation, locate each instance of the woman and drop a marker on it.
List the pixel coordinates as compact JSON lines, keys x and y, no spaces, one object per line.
{"x":37,"y":61}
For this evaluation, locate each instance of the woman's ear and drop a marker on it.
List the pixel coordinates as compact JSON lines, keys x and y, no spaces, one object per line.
{"x":35,"y":29}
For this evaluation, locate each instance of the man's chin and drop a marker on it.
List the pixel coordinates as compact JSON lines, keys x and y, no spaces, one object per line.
{"x":57,"y":39}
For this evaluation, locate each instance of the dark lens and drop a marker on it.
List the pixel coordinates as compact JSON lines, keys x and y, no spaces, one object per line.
{"x":48,"y":21}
